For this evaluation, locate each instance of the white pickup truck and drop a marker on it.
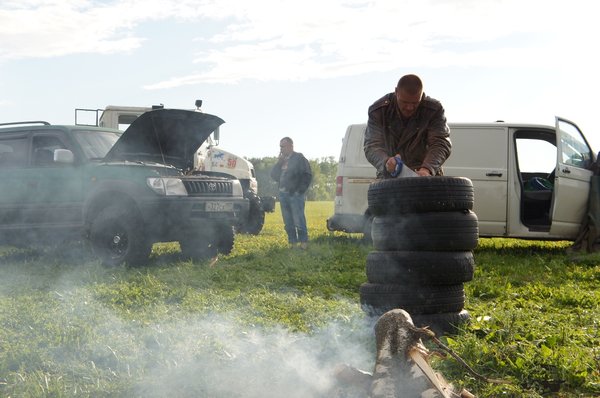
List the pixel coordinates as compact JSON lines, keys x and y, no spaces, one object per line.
{"x":530,"y":181}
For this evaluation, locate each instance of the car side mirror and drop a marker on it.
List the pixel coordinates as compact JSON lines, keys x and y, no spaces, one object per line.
{"x":63,"y":156}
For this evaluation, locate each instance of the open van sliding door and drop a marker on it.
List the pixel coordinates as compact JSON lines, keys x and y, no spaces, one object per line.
{"x":571,"y":180}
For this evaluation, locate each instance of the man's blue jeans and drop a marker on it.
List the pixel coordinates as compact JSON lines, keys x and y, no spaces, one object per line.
{"x":292,"y":210}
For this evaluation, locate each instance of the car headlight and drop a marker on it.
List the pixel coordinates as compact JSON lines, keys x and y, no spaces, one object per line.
{"x":167,"y":186}
{"x":236,"y":188}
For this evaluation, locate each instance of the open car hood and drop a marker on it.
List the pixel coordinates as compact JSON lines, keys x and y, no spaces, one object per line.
{"x":169,"y":136}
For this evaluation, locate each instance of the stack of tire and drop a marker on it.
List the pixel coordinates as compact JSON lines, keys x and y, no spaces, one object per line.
{"x":424,"y":232}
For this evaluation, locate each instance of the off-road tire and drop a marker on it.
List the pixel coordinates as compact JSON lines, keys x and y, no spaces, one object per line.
{"x":433,"y":231}
{"x":256,"y":217}
{"x":117,"y":236}
{"x":196,"y":246}
{"x":420,"y":267}
{"x":225,"y":239}
{"x":420,"y":194}
{"x":207,"y":243}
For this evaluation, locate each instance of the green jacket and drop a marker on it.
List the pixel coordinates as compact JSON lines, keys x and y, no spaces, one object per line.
{"x":423,"y":140}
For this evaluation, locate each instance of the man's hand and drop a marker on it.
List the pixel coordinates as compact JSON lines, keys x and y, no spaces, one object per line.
{"x":390,"y":164}
{"x":423,"y":172}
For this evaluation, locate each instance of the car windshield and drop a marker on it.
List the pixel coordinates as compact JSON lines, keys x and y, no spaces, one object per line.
{"x":96,"y":144}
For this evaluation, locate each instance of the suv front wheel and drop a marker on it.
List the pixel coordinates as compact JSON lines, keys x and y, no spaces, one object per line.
{"x":117,"y":237}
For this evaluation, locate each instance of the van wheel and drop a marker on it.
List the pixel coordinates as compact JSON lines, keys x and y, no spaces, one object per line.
{"x":117,"y":236}
{"x":420,"y":194}
{"x":441,"y":231}
{"x":367,"y":226}
{"x":420,"y":267}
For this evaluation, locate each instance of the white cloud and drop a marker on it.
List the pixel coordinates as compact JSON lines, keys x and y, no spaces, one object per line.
{"x":315,"y":39}
{"x":51,"y":28}
{"x":299,"y":40}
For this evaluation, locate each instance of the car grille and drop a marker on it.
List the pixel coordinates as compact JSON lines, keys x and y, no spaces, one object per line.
{"x":208,"y":188}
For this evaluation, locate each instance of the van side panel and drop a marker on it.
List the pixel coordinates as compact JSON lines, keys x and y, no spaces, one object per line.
{"x":488,"y":170}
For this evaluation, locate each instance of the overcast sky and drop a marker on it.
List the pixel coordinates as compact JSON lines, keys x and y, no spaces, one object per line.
{"x":305,"y":69}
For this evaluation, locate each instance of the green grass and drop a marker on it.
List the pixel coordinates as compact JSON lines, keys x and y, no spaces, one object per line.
{"x":267,"y":315}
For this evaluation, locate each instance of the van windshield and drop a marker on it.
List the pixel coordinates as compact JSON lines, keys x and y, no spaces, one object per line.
{"x":96,"y":144}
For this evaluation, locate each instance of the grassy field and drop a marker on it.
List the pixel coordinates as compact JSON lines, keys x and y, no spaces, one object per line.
{"x":269,"y":321}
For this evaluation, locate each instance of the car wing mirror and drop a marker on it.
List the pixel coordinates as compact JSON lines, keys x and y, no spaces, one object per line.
{"x":63,"y":156}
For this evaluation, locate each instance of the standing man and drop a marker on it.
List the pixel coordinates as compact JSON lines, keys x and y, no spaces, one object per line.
{"x":407,"y":128}
{"x":292,"y":172}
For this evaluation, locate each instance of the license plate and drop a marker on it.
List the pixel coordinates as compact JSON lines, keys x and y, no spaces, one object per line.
{"x":219,"y":206}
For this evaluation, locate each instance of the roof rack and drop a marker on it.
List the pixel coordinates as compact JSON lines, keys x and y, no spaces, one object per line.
{"x":95,"y":111}
{"x":29,"y":122}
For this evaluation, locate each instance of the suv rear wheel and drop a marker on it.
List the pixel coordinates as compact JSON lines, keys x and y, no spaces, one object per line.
{"x":225,"y":237}
{"x":195,"y":245}
{"x":117,"y":237}
{"x":201,"y":245}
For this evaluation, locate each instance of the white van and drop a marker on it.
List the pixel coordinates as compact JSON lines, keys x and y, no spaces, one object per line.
{"x":530,"y":181}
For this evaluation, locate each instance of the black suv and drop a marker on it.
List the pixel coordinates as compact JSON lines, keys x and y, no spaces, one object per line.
{"x":121,"y":191}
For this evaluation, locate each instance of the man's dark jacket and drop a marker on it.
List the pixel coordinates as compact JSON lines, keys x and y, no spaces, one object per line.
{"x":297,"y":177}
{"x":423,"y":140}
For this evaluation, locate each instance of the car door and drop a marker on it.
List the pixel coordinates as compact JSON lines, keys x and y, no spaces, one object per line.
{"x":571,"y":180}
{"x":56,"y":188}
{"x":14,"y":181}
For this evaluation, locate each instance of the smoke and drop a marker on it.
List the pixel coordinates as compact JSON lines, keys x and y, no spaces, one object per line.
{"x":169,"y":353}
{"x":218,"y":357}
{"x":163,"y":351}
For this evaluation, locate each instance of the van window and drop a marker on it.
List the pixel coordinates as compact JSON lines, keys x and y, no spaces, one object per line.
{"x":574,"y":149}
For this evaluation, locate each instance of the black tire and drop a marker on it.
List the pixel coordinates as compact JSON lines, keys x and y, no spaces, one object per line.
{"x":256,"y":217}
{"x":225,"y":239}
{"x":443,"y":324}
{"x":367,"y":237}
{"x":420,"y":267}
{"x":420,"y":194}
{"x":377,"y":299}
{"x":439,"y":231}
{"x":197,"y":246}
{"x":207,"y":243}
{"x":117,"y":235}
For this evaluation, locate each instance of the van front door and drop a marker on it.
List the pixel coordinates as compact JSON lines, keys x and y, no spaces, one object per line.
{"x":571,"y":180}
